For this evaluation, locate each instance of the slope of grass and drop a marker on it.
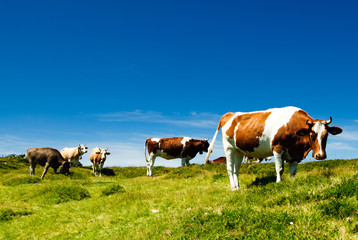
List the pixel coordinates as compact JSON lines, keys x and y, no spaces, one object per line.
{"x":180,"y":203}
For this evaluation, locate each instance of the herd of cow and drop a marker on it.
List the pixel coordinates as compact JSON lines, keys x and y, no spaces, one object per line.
{"x":69,"y":157}
{"x":288,"y":134}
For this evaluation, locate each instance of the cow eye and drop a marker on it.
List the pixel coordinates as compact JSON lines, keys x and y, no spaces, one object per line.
{"x":313,"y":136}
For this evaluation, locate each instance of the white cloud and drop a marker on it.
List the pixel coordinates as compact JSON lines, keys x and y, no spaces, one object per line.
{"x":350,"y":135}
{"x":340,"y":146}
{"x":200,"y":120}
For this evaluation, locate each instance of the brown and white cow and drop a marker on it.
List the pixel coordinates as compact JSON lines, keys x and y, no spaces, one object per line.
{"x":169,"y":148}
{"x":47,"y":157}
{"x":287,"y":133}
{"x":98,"y":157}
{"x":217,"y":161}
{"x":73,"y":155}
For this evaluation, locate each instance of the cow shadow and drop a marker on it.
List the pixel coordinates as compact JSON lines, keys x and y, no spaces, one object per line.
{"x":263,"y":181}
{"x":108,"y":172}
{"x":105,"y":171}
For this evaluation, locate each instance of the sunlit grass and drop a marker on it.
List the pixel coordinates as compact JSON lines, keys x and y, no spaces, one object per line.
{"x":181,"y":203}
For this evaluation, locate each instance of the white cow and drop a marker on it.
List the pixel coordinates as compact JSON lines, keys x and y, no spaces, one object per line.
{"x":73,"y":155}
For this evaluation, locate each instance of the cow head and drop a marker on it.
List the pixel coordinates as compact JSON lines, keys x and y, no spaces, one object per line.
{"x":204,"y":146}
{"x":104,"y":153}
{"x":82,"y":149}
{"x":65,"y":168}
{"x":318,"y":133}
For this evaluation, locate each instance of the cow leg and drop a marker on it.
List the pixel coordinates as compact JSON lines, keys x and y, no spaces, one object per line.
{"x":279,"y":165}
{"x":183,"y":160}
{"x":47,"y":165}
{"x":293,"y":169}
{"x":233,"y":165}
{"x":187,"y":162}
{"x":100,"y":169}
{"x":237,"y":165}
{"x":150,"y":165}
{"x":32,"y":169}
{"x":95,"y":169}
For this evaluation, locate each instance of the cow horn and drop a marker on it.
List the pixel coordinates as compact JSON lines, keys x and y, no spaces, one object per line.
{"x":329,"y":121}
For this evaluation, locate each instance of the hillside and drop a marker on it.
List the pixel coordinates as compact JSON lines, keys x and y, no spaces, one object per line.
{"x":180,"y":203}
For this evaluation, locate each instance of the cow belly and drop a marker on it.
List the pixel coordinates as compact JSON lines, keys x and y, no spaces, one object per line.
{"x":165,"y":155}
{"x":261,"y":151}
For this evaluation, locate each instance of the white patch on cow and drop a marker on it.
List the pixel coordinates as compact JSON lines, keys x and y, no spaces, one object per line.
{"x":278,"y":118}
{"x":319,"y":128}
{"x":185,"y":140}
{"x":155,"y":139}
{"x":229,"y":142}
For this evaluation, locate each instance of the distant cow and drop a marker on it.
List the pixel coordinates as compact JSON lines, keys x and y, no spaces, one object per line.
{"x":169,"y":148}
{"x":248,"y":159}
{"x":73,"y":155}
{"x":288,"y":134}
{"x":47,"y":157}
{"x":98,"y":157}
{"x":217,"y":161}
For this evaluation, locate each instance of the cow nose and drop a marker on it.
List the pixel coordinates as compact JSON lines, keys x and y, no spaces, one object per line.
{"x":320,"y":156}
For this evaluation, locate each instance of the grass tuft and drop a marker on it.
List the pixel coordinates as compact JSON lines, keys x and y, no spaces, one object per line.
{"x":112,"y":190}
{"x":59,"y":194}
{"x":18,"y":180}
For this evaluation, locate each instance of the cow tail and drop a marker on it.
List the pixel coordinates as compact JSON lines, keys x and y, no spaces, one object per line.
{"x":145,"y":150}
{"x":211,"y":147}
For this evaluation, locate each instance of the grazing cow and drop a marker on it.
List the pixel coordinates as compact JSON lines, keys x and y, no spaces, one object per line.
{"x":98,"y":157}
{"x":73,"y":155}
{"x":248,"y":159}
{"x":47,"y":157}
{"x":287,"y":133}
{"x":169,"y":148}
{"x":217,"y":161}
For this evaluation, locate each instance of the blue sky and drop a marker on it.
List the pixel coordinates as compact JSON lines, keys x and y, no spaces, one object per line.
{"x":113,"y":73}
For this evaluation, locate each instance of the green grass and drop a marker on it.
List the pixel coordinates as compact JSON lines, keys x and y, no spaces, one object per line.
{"x":180,"y":203}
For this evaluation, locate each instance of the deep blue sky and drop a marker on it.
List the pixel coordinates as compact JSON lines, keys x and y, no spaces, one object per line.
{"x":112,"y":73}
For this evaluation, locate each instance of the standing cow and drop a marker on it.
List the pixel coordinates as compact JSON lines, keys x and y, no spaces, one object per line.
{"x":169,"y":148}
{"x":47,"y":157}
{"x":73,"y":155}
{"x":98,"y":157}
{"x":287,"y":133}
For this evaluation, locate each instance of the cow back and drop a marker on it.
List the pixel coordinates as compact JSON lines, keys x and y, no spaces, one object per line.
{"x":42,"y":156}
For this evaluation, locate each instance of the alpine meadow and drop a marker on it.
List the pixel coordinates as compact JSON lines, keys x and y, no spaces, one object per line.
{"x":192,"y":202}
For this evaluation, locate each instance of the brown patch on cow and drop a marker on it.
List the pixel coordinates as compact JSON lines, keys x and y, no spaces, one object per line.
{"x":286,"y":137}
{"x":224,"y":119}
{"x":153,"y":146}
{"x":172,"y":146}
{"x":217,"y":161}
{"x":250,"y":127}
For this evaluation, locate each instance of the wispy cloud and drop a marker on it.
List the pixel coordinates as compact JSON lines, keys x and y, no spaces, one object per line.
{"x":340,"y":146}
{"x":349,"y":135}
{"x":194,"y":119}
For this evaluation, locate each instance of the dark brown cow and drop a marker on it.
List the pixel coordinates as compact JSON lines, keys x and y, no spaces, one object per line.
{"x":288,"y":134}
{"x":169,"y":148}
{"x":217,"y":161}
{"x":47,"y":157}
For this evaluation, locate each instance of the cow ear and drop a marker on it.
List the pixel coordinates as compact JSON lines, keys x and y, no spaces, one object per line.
{"x":302,"y":132}
{"x":334,"y":130}
{"x":108,"y":153}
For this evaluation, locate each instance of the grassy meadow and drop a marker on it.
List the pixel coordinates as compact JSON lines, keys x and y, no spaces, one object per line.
{"x":180,"y":203}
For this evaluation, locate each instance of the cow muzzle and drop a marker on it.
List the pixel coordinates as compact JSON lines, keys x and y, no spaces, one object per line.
{"x":320,"y":156}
